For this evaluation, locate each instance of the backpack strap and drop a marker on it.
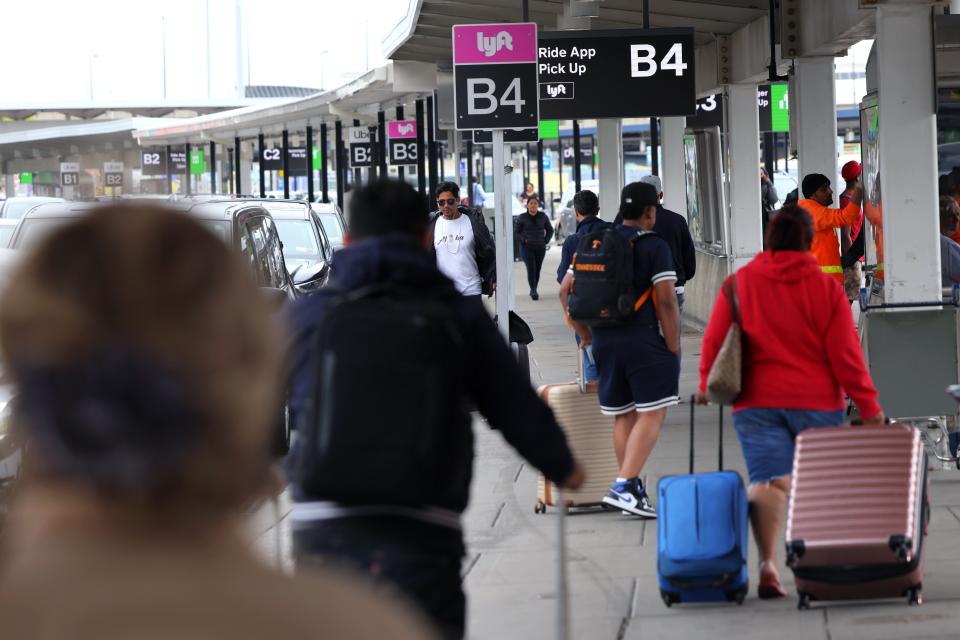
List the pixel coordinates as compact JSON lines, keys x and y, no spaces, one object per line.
{"x":649,"y":293}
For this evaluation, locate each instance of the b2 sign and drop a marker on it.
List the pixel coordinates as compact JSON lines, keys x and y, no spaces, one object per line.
{"x":402,"y":142}
{"x":495,"y":76}
{"x":361,"y":149}
{"x":624,"y":73}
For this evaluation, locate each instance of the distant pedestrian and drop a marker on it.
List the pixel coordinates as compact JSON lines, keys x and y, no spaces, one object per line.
{"x":386,"y":361}
{"x":818,"y":196}
{"x":535,"y":231}
{"x":672,"y":227}
{"x":462,"y":244}
{"x":528,"y":192}
{"x":949,"y":249}
{"x":801,"y":353}
{"x":850,"y":235}
{"x":768,"y":199}
{"x":478,"y":197}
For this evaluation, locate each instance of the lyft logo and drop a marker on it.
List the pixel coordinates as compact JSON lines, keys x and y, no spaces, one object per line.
{"x":555,"y":90}
{"x":405,"y":129}
{"x":491,"y":46}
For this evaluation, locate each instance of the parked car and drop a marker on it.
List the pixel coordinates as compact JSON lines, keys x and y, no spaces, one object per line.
{"x":565,"y":223}
{"x":15,"y":207}
{"x":7,"y":227}
{"x":331,"y":218}
{"x":307,"y":248}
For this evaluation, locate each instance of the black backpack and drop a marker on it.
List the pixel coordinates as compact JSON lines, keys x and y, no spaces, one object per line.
{"x":603,"y":293}
{"x":387,"y":405}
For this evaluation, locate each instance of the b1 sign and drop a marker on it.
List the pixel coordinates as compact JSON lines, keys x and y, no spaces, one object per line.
{"x":495,"y":76}
{"x":622,"y":73}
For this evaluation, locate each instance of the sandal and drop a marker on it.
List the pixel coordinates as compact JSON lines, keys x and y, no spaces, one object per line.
{"x":770,"y":586}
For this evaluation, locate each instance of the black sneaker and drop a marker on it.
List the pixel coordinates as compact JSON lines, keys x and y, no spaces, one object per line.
{"x":534,"y":295}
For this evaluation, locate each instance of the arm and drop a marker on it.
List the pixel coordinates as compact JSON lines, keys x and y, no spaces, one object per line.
{"x":583,"y":331}
{"x":566,"y":252}
{"x":485,"y":250}
{"x":548,"y":228}
{"x":842,"y":346}
{"x":952,"y":266}
{"x":714,"y":336}
{"x":668,"y":313}
{"x":836,"y":218}
{"x":506,"y":399}
{"x":771,"y":196}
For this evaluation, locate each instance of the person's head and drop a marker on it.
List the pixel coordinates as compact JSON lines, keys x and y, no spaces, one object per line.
{"x":448,"y":198}
{"x":816,"y":187}
{"x":389,"y":207}
{"x":791,"y":229}
{"x":146,"y":364}
{"x":851,"y":172}
{"x":585,"y":204}
{"x":529,"y":188}
{"x":638,"y":205}
{"x":533,"y":204}
{"x":949,"y":215}
{"x":654,"y":181}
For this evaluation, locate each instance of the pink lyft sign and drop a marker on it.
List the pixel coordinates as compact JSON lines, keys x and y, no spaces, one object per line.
{"x":494,"y":43}
{"x":402,"y":129}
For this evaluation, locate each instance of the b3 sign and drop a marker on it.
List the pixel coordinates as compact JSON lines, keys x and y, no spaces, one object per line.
{"x":621,"y":73}
{"x":402,"y":142}
{"x":495,"y":76}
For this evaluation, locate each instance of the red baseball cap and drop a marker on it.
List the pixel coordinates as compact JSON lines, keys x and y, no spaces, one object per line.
{"x":851,"y":170}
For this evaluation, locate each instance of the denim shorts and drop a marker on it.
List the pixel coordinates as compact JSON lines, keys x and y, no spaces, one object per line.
{"x":767,"y":437}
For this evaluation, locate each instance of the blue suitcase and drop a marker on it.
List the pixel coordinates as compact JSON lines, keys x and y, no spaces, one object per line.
{"x":702,"y":534}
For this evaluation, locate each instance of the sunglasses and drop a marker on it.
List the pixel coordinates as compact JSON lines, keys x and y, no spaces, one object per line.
{"x":449,"y":201}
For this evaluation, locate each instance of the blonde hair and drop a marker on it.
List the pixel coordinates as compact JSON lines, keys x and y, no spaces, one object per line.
{"x":158,"y":288}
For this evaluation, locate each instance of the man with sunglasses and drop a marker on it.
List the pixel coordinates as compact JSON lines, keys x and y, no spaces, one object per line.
{"x":462,"y":244}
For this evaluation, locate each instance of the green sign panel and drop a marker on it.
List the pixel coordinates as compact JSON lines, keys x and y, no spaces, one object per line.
{"x":197,"y":163}
{"x":317,"y":159}
{"x":549,"y":129}
{"x":779,"y":108}
{"x":26,"y":178}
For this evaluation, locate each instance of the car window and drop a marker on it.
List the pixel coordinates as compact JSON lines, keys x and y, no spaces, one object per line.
{"x":5,"y":234}
{"x":34,"y":230}
{"x":251,"y":246}
{"x":331,"y":224}
{"x":299,"y":240}
{"x":17,"y":208}
{"x":220,"y":228}
{"x":273,"y":255}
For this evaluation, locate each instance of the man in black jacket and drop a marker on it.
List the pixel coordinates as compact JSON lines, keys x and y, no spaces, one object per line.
{"x":535,"y":231}
{"x":673,"y":228}
{"x":416,"y":548}
{"x":462,"y":244}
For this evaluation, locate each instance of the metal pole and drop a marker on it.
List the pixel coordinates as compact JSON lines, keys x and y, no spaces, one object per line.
{"x":309,"y":163}
{"x":504,"y":235}
{"x":469,"y":164}
{"x":163,"y":29}
{"x":525,"y":5}
{"x":260,"y":168}
{"x":324,"y":179}
{"x":285,"y":143}
{"x":169,"y":170}
{"x":440,"y":155}
{"x":526,"y":173}
{"x":400,"y":169}
{"x":540,"y":178}
{"x":213,"y":167}
{"x":357,"y":173}
{"x":186,"y":147}
{"x":576,"y":156}
{"x":421,"y":165}
{"x":654,"y":132}
{"x":432,"y":145}
{"x":374,"y":154}
{"x":560,"y":162}
{"x":237,"y":170}
{"x":382,"y":142}
{"x":338,"y":147}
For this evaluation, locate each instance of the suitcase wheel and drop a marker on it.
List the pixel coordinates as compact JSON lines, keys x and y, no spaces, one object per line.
{"x":668,"y":597}
{"x":915,"y":596}
{"x":540,"y":507}
{"x":737,"y":596}
{"x":804,"y":602}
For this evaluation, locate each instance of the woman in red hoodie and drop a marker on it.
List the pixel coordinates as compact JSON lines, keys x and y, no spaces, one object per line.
{"x":800,"y":353}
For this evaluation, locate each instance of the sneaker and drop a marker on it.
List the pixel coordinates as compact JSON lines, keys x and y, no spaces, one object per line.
{"x":630,"y":497}
{"x":534,"y":295}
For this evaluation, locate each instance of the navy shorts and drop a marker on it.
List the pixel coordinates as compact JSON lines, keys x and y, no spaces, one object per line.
{"x":767,"y":437}
{"x":637,"y":371}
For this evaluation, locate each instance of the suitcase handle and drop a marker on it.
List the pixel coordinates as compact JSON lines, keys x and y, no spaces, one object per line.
{"x":693,"y":407}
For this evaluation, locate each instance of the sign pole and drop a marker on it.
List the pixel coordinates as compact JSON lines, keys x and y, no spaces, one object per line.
{"x":504,"y":230}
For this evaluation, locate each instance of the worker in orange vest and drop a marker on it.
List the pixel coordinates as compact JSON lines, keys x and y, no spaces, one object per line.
{"x":818,"y":196}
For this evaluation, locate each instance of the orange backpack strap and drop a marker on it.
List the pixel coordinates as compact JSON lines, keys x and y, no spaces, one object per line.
{"x":649,"y":293}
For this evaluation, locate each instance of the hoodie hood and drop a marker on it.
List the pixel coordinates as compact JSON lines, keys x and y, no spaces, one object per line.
{"x":396,"y":259}
{"x":785,"y":266}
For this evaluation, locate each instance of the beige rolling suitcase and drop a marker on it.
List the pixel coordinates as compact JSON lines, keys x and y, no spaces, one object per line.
{"x":590,"y":435}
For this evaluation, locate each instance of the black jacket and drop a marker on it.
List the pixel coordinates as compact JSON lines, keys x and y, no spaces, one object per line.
{"x":493,"y":380}
{"x":534,"y":231}
{"x":484,"y":249}
{"x":673,"y":227}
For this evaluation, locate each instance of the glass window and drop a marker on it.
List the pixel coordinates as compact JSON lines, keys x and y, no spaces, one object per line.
{"x":273,"y":255}
{"x":16,"y":208}
{"x":34,"y":230}
{"x":331,"y":224}
{"x":219,"y":228}
{"x":5,"y":234}
{"x":299,"y":240}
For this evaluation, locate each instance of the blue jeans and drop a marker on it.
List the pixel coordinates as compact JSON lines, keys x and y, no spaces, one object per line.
{"x":767,"y":437}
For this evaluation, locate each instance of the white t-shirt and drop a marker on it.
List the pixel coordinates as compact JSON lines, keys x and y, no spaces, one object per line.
{"x":453,"y":241}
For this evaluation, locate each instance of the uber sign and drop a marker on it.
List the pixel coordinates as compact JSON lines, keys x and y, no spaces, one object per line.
{"x":69,"y":174}
{"x":402,"y":142}
{"x":361,"y":151}
{"x":113,"y":174}
{"x":495,"y":76}
{"x":622,"y":73}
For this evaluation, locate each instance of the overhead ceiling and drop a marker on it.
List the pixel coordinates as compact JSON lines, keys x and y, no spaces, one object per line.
{"x":425,"y":33}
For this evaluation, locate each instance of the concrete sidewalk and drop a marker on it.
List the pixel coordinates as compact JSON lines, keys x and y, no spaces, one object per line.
{"x":510,"y":570}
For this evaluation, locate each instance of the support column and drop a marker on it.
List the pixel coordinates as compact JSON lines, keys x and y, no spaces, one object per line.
{"x":189,"y":187}
{"x":358,"y":172}
{"x":540,"y":177}
{"x":237,"y":167}
{"x":401,"y":170}
{"x":743,"y":141}
{"x":213,"y":167}
{"x":673,"y":173}
{"x":381,"y":144}
{"x":341,"y":172}
{"x":908,"y":154}
{"x":324,"y":178}
{"x":431,"y":146}
{"x":309,"y":150}
{"x":260,"y":168}
{"x":610,"y":159}
{"x":421,"y":156}
{"x":169,"y":172}
{"x":815,"y":101}
{"x":576,"y":156}
{"x":470,"y":170}
{"x":285,"y":143}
